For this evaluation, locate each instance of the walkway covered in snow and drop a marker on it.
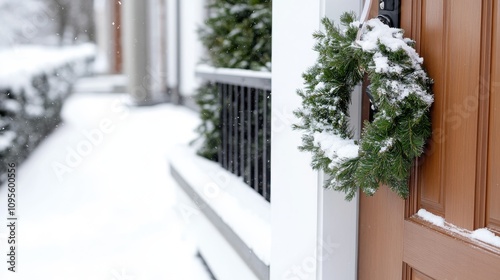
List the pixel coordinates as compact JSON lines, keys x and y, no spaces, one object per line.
{"x":96,"y":200}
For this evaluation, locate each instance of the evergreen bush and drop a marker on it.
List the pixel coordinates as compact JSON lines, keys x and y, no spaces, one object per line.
{"x":237,"y":34}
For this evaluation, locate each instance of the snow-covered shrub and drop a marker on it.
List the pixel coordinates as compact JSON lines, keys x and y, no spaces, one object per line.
{"x":237,"y":34}
{"x":209,"y":128}
{"x":33,"y":85}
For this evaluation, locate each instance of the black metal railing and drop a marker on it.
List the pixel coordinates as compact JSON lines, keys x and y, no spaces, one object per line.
{"x":245,"y":124}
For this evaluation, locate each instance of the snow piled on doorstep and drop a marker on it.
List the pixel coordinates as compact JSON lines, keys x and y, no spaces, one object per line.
{"x":486,"y":236}
{"x":482,"y":234}
{"x":431,"y":218}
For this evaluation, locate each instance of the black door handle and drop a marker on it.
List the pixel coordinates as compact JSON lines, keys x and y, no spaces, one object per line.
{"x":389,"y":12}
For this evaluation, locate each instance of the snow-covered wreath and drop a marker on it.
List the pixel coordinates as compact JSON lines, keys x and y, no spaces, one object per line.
{"x":401,"y":97}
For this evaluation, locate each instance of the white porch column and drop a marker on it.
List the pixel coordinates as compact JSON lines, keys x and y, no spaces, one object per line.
{"x":136,"y":50}
{"x":294,"y":194}
{"x":157,"y":49}
{"x":192,"y":15}
{"x":173,"y":67}
{"x":314,"y":230}
{"x":103,"y":16}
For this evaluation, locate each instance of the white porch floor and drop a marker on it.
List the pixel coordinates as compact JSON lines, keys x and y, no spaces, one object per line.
{"x":95,"y":200}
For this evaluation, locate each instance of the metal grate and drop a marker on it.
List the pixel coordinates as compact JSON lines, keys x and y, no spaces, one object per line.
{"x":245,"y":102}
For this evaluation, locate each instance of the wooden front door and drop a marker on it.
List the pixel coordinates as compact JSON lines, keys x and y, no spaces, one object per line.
{"x":459,"y":176}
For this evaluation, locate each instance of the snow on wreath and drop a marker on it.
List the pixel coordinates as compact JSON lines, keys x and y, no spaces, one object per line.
{"x":402,"y":99}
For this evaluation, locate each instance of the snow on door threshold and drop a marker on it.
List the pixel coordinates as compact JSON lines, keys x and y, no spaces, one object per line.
{"x":482,"y":234}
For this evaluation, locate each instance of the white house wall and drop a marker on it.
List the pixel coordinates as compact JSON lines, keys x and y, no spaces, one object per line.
{"x":155,"y":75}
{"x":172,"y":41}
{"x":192,"y":16}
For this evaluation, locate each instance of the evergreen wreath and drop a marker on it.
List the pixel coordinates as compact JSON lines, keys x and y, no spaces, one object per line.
{"x":401,"y":95}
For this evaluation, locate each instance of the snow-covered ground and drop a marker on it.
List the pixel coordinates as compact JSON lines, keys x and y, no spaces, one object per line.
{"x":95,"y":200}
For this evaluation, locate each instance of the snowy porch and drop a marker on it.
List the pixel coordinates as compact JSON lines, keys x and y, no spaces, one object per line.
{"x":95,"y":200}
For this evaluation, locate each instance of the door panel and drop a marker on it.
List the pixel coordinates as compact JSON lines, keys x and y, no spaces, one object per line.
{"x":380,"y":231}
{"x":431,"y":45}
{"x":458,"y":178}
{"x":439,"y":255}
{"x":450,"y":44}
{"x":493,"y":192}
{"x":417,"y":275}
{"x":461,"y":115}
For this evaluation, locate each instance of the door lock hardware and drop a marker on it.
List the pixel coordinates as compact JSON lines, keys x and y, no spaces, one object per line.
{"x":389,"y":12}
